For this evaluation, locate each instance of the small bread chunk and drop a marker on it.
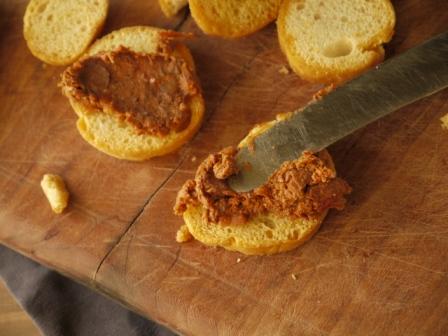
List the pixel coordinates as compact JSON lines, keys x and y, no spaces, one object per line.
{"x":444,"y":120}
{"x":233,"y":18}
{"x":59,"y":31}
{"x":55,"y":191}
{"x":332,"y":41}
{"x":172,"y":7}
{"x":183,"y":235}
{"x":283,"y":70}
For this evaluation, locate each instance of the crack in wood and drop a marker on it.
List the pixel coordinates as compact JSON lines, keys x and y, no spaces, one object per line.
{"x":175,"y":259}
{"x":184,"y":19}
{"x":148,"y":200}
{"x":240,"y":290}
{"x":156,"y":293}
{"x":137,"y":216}
{"x":396,"y":259}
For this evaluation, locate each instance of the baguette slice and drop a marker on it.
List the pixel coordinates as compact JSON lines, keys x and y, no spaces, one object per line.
{"x":118,"y":138}
{"x":59,"y":31}
{"x":233,"y":18}
{"x":172,"y":7}
{"x":263,"y":235}
{"x":331,"y":41}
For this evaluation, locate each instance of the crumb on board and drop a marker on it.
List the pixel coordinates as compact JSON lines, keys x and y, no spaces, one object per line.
{"x":56,"y":192}
{"x":444,"y":120}
{"x":193,"y":158}
{"x":251,"y":145}
{"x":183,"y":235}
{"x":238,"y":260}
{"x":323,"y":92}
{"x":283,"y":70}
{"x":293,"y":276}
{"x":283,"y":116}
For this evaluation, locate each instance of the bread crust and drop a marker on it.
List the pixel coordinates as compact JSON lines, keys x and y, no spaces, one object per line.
{"x":231,"y":242}
{"x":229,"y":24}
{"x":172,"y":7}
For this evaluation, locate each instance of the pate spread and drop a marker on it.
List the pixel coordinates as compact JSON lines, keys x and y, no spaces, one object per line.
{"x":150,"y":91}
{"x":303,"y":188}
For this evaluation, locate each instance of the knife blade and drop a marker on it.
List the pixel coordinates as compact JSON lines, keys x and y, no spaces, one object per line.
{"x":406,"y":78}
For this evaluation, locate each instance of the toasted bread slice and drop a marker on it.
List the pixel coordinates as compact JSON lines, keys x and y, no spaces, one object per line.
{"x":331,"y":41}
{"x":262,"y":235}
{"x":233,"y":18}
{"x":118,"y":138}
{"x":59,"y":31}
{"x":172,"y":7}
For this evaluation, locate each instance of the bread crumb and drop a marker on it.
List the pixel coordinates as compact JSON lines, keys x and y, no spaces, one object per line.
{"x":238,"y":260}
{"x":444,"y":120}
{"x":251,"y":145}
{"x":193,"y":158}
{"x":293,"y":276}
{"x":323,"y":92}
{"x":283,"y":70}
{"x":183,"y":235}
{"x":54,"y":189}
{"x":283,"y":116}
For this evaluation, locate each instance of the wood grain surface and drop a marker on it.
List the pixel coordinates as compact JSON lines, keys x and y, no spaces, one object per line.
{"x":13,"y":320}
{"x":377,"y":268}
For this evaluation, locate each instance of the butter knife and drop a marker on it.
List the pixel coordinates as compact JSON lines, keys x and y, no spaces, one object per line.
{"x":406,"y":78}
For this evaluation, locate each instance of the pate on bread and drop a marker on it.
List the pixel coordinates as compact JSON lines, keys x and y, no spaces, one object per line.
{"x":275,"y":217}
{"x":127,"y":113}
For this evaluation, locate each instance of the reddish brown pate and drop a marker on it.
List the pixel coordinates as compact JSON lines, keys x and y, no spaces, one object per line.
{"x":303,"y":188}
{"x":150,"y":91}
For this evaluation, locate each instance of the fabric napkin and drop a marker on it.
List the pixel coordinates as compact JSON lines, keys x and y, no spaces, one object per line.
{"x":62,"y":307}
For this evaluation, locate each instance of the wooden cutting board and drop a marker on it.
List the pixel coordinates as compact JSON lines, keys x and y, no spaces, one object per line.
{"x":377,"y":268}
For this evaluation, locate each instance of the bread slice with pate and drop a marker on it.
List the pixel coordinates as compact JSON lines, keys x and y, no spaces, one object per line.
{"x":331,"y":41}
{"x":262,"y":234}
{"x":59,"y":31}
{"x":123,"y":136}
{"x":233,"y":18}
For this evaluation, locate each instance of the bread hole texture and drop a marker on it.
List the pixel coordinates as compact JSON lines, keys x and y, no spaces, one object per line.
{"x":338,"y":48}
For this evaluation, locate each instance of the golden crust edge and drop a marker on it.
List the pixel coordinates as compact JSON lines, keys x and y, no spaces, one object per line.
{"x":211,"y":27}
{"x":168,"y":9}
{"x":266,"y":248}
{"x":141,"y":155}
